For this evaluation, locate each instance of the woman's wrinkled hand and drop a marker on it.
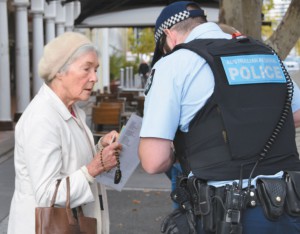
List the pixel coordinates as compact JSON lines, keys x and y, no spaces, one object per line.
{"x":109,"y":138}
{"x":106,"y":159}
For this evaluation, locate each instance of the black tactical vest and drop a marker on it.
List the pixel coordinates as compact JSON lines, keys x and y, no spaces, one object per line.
{"x":236,"y":125}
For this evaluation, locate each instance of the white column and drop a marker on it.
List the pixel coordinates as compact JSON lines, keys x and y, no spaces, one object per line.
{"x":50,"y":13}
{"x":5,"y":102}
{"x":96,"y":41}
{"x":22,"y":58}
{"x":69,"y":16}
{"x":60,"y":18}
{"x":105,"y":58}
{"x":37,"y":9}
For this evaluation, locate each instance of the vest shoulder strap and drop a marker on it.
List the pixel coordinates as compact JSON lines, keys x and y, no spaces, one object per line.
{"x":209,"y":48}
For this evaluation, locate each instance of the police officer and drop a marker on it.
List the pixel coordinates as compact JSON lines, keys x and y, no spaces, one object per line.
{"x":180,"y":85}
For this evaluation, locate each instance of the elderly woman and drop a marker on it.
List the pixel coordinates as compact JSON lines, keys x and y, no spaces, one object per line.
{"x":52,"y":140}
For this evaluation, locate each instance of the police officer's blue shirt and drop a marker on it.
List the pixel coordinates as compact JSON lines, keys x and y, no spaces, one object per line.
{"x":296,"y":98}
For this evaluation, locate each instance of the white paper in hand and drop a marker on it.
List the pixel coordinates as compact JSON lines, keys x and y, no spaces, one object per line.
{"x":129,"y":160}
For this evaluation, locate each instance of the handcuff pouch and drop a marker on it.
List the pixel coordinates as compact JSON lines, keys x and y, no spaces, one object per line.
{"x":272,"y":193}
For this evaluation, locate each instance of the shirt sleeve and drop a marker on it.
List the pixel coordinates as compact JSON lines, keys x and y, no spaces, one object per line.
{"x":162,"y":104}
{"x":296,"y":98}
{"x":180,"y":87}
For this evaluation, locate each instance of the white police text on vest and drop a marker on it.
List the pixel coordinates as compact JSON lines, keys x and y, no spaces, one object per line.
{"x":251,"y":69}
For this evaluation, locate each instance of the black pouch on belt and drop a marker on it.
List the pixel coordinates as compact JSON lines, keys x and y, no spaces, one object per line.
{"x":206,"y":208}
{"x":193,"y":185}
{"x":272,"y":193}
{"x":292,"y":179}
{"x":201,"y":195}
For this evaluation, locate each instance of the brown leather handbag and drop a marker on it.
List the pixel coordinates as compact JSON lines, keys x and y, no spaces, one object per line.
{"x":60,"y":220}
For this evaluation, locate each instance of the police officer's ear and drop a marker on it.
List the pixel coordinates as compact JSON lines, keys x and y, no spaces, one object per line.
{"x":171,"y":38}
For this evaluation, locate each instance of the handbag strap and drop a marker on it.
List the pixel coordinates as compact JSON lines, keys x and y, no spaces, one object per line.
{"x":55,"y":193}
{"x":71,"y":219}
{"x":68,"y":193}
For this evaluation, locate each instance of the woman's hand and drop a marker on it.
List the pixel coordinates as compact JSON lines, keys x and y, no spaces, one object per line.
{"x":109,"y":138}
{"x":106,"y":159}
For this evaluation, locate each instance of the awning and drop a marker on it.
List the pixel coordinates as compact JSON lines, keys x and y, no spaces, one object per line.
{"x":137,"y":17}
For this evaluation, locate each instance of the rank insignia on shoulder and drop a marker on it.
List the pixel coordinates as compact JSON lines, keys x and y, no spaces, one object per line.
{"x":149,"y":81}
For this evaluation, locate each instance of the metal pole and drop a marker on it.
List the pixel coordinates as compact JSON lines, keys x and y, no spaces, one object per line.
{"x":127,"y":78}
{"x":122,"y":77}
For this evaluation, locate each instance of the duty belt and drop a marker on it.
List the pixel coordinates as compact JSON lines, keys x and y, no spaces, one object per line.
{"x":201,"y":195}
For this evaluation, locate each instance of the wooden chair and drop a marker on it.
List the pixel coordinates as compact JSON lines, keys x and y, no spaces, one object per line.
{"x":105,"y":118}
{"x":118,"y":101}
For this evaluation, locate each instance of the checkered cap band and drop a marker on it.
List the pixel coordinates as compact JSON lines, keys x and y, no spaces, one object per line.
{"x":170,"y":22}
